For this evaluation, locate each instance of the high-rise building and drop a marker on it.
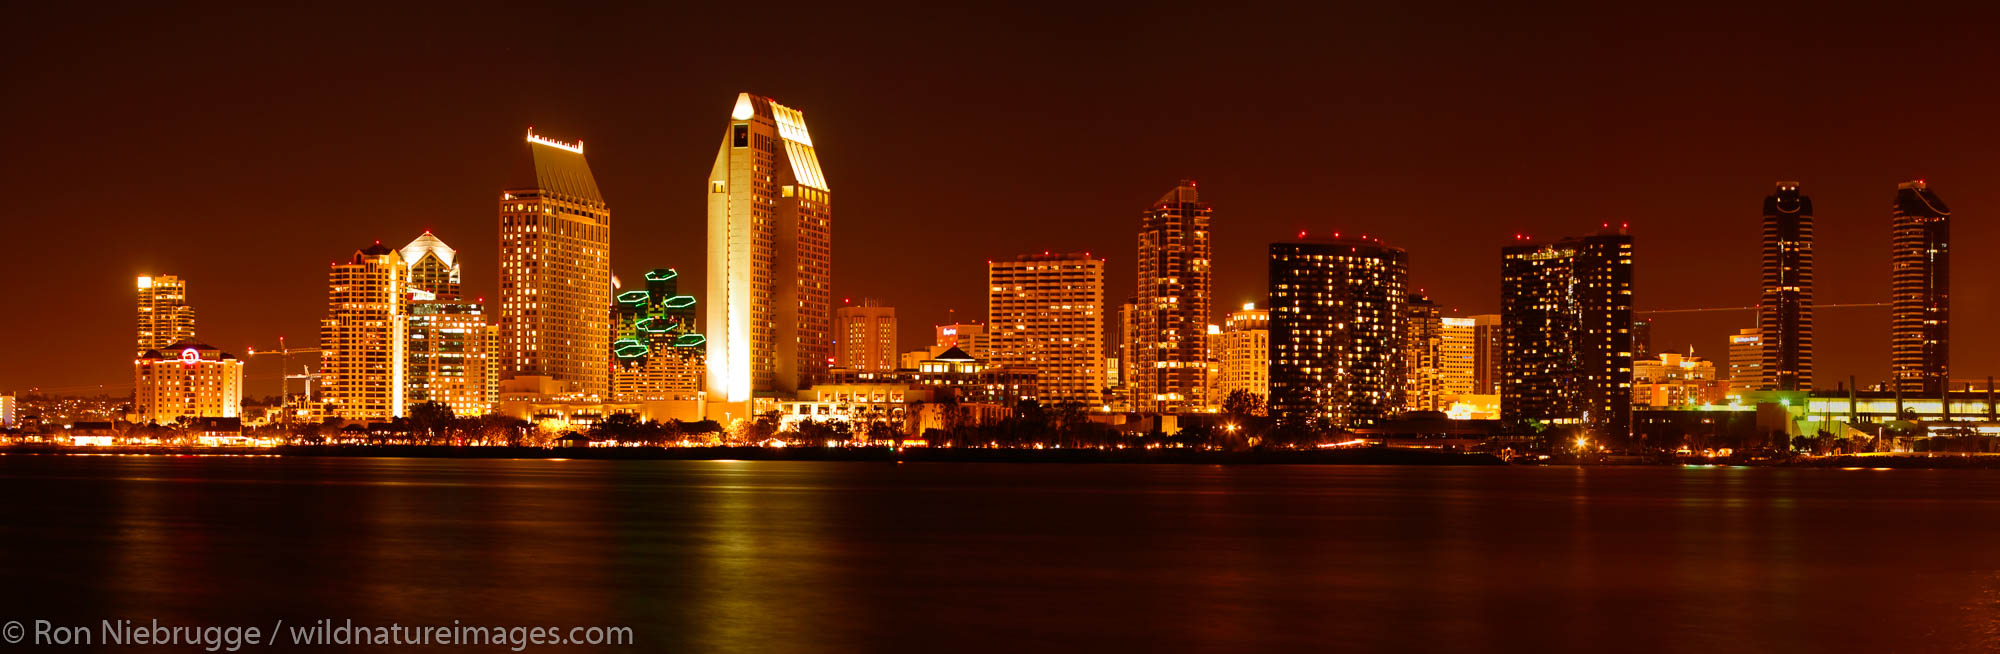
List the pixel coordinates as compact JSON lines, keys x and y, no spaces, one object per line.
{"x":867,"y":337}
{"x":187,"y":379}
{"x":1245,"y":355}
{"x":165,"y":318}
{"x":1455,"y":359}
{"x":1337,"y":321}
{"x":1920,"y":290}
{"x":1746,"y":361}
{"x":363,"y":340}
{"x":658,"y":353}
{"x":1046,"y":312}
{"x":450,"y":355}
{"x":1169,"y":355}
{"x":433,"y":266}
{"x":555,"y":275}
{"x":450,"y":346}
{"x":1566,"y":314}
{"x":1642,"y":339}
{"x":1785,"y":313}
{"x":1423,"y":337}
{"x":1488,"y":349}
{"x":7,"y":409}
{"x":770,"y":256}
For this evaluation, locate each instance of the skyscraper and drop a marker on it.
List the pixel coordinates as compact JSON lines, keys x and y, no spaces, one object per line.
{"x":770,"y":256}
{"x":1920,"y":290}
{"x":1746,"y":361}
{"x":165,"y":318}
{"x":363,"y":339}
{"x":186,"y":380}
{"x":867,"y":337}
{"x":433,"y":266}
{"x":1488,"y":348}
{"x":1785,"y":313}
{"x":1337,"y":320}
{"x":1046,"y":312}
{"x":451,"y":341}
{"x":1566,"y":314}
{"x":1170,"y":357}
{"x":555,"y":275}
{"x":1423,"y":340}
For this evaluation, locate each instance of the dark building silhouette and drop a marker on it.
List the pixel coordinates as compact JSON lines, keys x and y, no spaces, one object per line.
{"x":1566,"y":316}
{"x":1920,"y":290}
{"x":1785,"y":312}
{"x":1337,"y":320}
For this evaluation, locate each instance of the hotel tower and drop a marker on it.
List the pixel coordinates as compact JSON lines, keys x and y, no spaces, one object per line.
{"x":555,"y":277}
{"x":1566,"y":318}
{"x":1169,"y":350}
{"x":770,"y":258}
{"x":1920,"y":290}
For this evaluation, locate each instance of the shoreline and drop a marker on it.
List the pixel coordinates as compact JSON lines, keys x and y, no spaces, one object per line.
{"x":1359,"y":456}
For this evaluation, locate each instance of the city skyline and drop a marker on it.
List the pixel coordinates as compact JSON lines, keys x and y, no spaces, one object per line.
{"x":252,"y":299}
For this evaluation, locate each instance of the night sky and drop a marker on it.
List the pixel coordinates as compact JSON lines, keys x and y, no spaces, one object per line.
{"x":245,"y":149}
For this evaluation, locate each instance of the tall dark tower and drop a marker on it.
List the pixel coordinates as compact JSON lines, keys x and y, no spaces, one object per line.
{"x":1920,"y":290}
{"x":1337,"y":318}
{"x":1170,"y":340}
{"x":1785,"y":313}
{"x":1566,"y":318}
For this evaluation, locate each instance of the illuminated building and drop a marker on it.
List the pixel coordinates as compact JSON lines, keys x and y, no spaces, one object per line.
{"x":1245,"y":355}
{"x":1566,"y":316}
{"x":1746,"y":361}
{"x":1423,"y":338}
{"x":433,"y":266}
{"x":1454,"y":358}
{"x":1169,"y":351}
{"x":970,"y":337}
{"x":1785,"y":312}
{"x":1337,"y":321}
{"x":867,"y":337}
{"x":363,"y":340}
{"x":451,"y":341}
{"x":1124,"y":395}
{"x":1488,"y":341}
{"x":658,"y":353}
{"x":1920,"y":290}
{"x":165,"y":317}
{"x":1674,"y":380}
{"x":7,"y":411}
{"x":555,"y":277}
{"x":1642,"y":339}
{"x":1045,"y":312}
{"x":186,"y":380}
{"x":770,"y":257}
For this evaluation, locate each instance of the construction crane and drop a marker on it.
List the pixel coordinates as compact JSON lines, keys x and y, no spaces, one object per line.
{"x":284,"y":353}
{"x":1753,"y":308}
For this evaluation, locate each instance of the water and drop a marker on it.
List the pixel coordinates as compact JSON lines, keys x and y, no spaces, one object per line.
{"x":843,"y":557}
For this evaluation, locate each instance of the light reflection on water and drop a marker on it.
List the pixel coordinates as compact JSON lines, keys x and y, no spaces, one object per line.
{"x":797,"y":556}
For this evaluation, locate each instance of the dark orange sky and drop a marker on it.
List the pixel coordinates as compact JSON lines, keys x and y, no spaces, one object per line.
{"x":245,"y":149}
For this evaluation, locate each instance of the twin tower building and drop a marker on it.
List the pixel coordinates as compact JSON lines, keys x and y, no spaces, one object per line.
{"x":768,"y":318}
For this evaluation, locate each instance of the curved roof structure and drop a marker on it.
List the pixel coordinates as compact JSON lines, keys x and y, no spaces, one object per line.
{"x":429,"y":244}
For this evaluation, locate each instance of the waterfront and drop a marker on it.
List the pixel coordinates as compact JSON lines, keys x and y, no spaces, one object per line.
{"x":851,"y":556}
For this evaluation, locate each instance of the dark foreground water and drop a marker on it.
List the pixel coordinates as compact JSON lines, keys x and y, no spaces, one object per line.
{"x":862,"y":557}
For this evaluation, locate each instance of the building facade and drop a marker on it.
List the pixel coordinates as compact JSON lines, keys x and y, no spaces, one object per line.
{"x":363,"y":340}
{"x":1170,"y":354}
{"x":658,"y":352}
{"x":1338,"y":312}
{"x":1675,"y":380}
{"x":1245,"y":355}
{"x":1423,"y":341}
{"x":165,"y":317}
{"x":866,"y":335}
{"x":1488,"y":341}
{"x":1566,"y":317}
{"x":1045,"y":312}
{"x":555,"y":274}
{"x":1746,"y":361}
{"x":770,"y":256}
{"x":1920,"y":290}
{"x":450,"y":355}
{"x":1785,"y":312}
{"x":187,"y":379}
